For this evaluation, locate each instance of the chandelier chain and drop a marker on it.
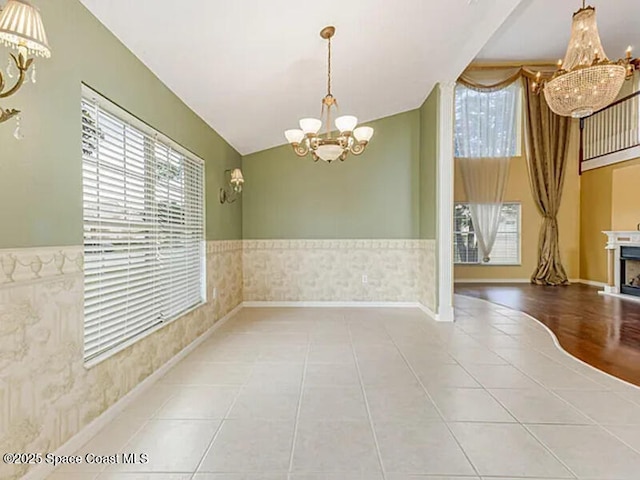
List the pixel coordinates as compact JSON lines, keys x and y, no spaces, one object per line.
{"x":329,"y":69}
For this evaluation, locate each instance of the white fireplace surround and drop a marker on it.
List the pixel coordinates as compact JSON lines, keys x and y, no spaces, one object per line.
{"x":616,"y":240}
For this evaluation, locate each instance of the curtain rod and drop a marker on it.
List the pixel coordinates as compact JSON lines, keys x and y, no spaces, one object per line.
{"x":499,"y":65}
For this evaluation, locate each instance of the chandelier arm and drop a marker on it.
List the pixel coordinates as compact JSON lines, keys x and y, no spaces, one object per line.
{"x":301,"y":149}
{"x":23,"y":65}
{"x":7,"y":114}
{"x":358,"y":148}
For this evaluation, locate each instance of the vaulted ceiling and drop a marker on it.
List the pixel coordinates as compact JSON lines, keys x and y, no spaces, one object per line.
{"x":540,"y":30}
{"x":252,"y":68}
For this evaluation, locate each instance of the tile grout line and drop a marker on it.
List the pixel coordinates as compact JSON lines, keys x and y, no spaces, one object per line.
{"x":435,"y":405}
{"x":142,"y":426}
{"x":366,"y":402}
{"x":554,"y":340}
{"x":635,"y":449}
{"x":226,"y":415}
{"x":517,"y":421}
{"x":299,"y":407}
{"x":554,"y":393}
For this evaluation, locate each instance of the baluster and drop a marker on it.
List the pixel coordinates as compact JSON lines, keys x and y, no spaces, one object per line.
{"x":593,"y":125}
{"x":636,"y":116}
{"x":616,"y":125}
{"x":625,"y":126}
{"x":609,"y":130}
{"x":630,"y":116}
{"x":589,"y":138}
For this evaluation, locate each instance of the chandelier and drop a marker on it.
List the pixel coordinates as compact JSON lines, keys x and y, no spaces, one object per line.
{"x":325,"y":146}
{"x":21,"y":28}
{"x":586,"y":80}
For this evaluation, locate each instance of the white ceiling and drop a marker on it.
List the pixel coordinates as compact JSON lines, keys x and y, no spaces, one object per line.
{"x":253,"y":68}
{"x":540,"y":30}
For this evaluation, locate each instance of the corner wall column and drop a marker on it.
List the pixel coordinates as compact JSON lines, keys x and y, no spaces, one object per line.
{"x":445,"y":200}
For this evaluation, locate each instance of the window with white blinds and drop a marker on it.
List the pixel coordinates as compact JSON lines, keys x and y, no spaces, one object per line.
{"x":143,"y":199}
{"x":506,"y":249}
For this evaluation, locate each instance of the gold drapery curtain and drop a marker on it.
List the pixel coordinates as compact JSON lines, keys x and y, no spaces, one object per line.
{"x":490,"y":79}
{"x":547,"y":140}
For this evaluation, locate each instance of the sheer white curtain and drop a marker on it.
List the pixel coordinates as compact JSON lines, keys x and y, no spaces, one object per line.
{"x":485,"y":140}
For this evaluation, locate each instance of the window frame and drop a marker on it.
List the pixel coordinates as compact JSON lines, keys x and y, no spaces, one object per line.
{"x":479,"y":263}
{"x":110,"y":107}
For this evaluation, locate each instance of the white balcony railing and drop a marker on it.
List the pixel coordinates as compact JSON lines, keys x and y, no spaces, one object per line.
{"x":612,"y":134}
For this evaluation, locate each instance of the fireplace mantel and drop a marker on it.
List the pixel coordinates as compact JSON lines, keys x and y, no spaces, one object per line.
{"x":616,"y":240}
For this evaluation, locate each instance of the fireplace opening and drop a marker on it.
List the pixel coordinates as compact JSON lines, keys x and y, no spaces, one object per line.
{"x":630,"y":270}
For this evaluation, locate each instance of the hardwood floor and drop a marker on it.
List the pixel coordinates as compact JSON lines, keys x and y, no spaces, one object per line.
{"x":600,"y":330}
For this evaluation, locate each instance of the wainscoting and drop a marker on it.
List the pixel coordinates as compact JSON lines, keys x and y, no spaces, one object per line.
{"x":46,"y":393}
{"x":332,"y":270}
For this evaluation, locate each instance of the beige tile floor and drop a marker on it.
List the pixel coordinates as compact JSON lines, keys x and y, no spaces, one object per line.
{"x":377,"y":394}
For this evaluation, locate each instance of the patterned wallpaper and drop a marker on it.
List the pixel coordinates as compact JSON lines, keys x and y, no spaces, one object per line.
{"x":46,"y":393}
{"x":332,"y":270}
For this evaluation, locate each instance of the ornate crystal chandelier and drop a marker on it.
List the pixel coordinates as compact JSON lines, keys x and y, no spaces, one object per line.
{"x":326,"y":147}
{"x":586,"y":80}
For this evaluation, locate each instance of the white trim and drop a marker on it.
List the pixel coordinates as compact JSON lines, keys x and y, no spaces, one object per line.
{"x":523,"y":280}
{"x":341,"y":304}
{"x":328,"y":303}
{"x":430,"y":313}
{"x":593,"y":283}
{"x":621,"y":296}
{"x":492,"y":280}
{"x":43,"y":470}
{"x":611,"y":158}
{"x":444,"y":252}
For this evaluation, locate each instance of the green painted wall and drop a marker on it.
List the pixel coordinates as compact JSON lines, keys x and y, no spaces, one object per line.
{"x":428,"y":165}
{"x":375,"y":195}
{"x":41,"y":176}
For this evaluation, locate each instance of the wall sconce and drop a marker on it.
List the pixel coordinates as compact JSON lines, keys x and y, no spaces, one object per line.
{"x":21,"y":28}
{"x":230,"y":194}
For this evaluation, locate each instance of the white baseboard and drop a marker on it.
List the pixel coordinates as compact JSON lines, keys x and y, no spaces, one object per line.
{"x":523,"y":280}
{"x":591,"y":282}
{"x":433,"y":315}
{"x":343,"y":304}
{"x":329,"y":303}
{"x":492,"y":280}
{"x":42,"y":471}
{"x":621,"y":296}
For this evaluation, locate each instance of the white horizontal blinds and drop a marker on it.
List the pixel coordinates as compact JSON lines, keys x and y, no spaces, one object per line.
{"x":506,"y":249}
{"x":143,"y":229}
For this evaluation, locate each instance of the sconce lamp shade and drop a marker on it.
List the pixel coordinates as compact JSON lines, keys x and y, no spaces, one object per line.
{"x":21,"y":26}
{"x":236,"y":176}
{"x":363,"y":134}
{"x":294,"y":135}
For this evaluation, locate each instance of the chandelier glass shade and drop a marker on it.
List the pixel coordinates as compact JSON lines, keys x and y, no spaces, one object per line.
{"x":350,"y":138}
{"x":586,"y":81}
